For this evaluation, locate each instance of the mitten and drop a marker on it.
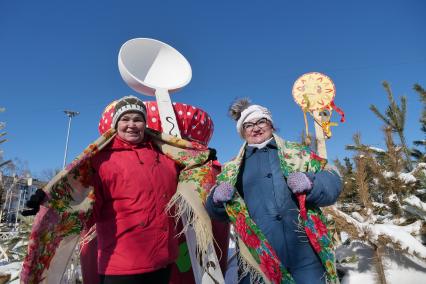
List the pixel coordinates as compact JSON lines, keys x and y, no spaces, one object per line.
{"x":299,"y":183}
{"x":34,"y":203}
{"x":223,"y":193}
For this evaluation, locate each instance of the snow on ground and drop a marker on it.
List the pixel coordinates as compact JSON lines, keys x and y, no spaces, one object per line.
{"x":12,"y":268}
{"x":357,"y":262}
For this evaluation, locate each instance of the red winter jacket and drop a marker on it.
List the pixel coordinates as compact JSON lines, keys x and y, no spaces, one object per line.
{"x":134,"y":184}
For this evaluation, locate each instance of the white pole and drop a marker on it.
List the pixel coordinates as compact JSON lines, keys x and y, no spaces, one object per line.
{"x":70,"y":115}
{"x":170,"y":126}
{"x":319,"y":134}
{"x":66,"y":143}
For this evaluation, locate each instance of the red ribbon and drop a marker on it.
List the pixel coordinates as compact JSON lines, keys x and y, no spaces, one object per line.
{"x":302,"y":205}
{"x":339,"y":111}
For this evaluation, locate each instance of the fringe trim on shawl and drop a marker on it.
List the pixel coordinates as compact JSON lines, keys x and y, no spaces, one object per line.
{"x":87,"y":238}
{"x":247,"y":264}
{"x":245,"y":268}
{"x":184,"y":208}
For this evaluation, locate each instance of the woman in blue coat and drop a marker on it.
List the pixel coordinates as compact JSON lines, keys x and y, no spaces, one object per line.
{"x":269,"y":179}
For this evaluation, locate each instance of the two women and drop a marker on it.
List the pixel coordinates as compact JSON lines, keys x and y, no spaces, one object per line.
{"x":263,"y":192}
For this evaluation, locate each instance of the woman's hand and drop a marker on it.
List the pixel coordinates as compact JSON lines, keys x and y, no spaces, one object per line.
{"x":299,"y":183}
{"x":223,"y":193}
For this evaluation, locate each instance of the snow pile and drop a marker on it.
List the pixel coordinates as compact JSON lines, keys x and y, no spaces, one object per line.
{"x":12,"y":268}
{"x":356,"y":262}
{"x":377,"y":150}
{"x":407,"y":177}
{"x":401,"y":237}
{"x":387,"y":174}
{"x":415,"y":202}
{"x":414,"y":205}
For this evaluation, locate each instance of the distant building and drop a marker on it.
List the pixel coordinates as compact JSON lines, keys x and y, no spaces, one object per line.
{"x":15,"y":192}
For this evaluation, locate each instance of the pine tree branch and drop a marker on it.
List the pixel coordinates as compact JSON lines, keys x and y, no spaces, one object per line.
{"x":366,"y":231}
{"x":374,"y":109}
{"x":419,"y":142}
{"x":419,"y":89}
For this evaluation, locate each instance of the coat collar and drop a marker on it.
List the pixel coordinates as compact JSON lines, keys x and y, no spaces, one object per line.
{"x":249,"y":150}
{"x":119,"y":144}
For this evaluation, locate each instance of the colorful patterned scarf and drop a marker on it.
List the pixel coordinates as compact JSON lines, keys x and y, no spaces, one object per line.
{"x":256,"y":254}
{"x":56,"y":229}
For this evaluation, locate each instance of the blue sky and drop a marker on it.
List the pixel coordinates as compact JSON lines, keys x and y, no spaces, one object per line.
{"x":57,"y":55}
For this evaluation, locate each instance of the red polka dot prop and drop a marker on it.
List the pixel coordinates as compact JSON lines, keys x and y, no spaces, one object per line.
{"x":106,"y":118}
{"x":194,"y":123}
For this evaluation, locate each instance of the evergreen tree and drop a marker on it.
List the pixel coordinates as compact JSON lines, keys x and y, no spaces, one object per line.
{"x":383,"y":190}
{"x":349,"y":195}
{"x":394,"y":117}
{"x":420,"y":155}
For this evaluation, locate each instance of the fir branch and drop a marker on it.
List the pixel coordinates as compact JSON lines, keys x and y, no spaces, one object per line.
{"x":374,"y":109}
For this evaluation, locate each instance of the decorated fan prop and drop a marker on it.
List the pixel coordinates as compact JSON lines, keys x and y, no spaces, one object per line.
{"x":153,"y":68}
{"x":315,"y":92}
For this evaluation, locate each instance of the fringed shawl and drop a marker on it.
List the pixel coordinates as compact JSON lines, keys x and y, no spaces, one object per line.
{"x":256,"y":254}
{"x":56,"y":229}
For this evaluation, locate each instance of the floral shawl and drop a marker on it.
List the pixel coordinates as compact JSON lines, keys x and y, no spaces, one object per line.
{"x":256,"y":254}
{"x":56,"y":229}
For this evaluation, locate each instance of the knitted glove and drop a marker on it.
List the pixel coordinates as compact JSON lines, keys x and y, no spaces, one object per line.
{"x":299,"y":183}
{"x":223,"y":193}
{"x":34,"y":203}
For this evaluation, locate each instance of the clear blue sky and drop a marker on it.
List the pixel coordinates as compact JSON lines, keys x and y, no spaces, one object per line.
{"x":57,"y":55}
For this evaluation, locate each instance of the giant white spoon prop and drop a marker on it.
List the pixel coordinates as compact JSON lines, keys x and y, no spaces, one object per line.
{"x":153,"y":68}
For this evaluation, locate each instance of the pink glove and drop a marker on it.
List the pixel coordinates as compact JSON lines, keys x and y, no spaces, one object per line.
{"x":223,"y":193}
{"x":299,"y":183}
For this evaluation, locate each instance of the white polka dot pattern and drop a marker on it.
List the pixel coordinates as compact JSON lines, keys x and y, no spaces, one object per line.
{"x":194,"y":123}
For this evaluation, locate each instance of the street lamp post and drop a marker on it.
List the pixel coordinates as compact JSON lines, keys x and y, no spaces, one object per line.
{"x":70,"y":115}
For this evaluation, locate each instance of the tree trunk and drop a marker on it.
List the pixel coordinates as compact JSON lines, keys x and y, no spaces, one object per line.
{"x":407,"y":153}
{"x":379,"y":265}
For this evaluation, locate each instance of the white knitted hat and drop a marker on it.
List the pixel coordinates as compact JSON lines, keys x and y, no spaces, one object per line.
{"x":125,"y":105}
{"x":250,"y":113}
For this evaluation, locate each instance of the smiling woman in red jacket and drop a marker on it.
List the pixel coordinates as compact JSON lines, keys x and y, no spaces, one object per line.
{"x":134,"y":183}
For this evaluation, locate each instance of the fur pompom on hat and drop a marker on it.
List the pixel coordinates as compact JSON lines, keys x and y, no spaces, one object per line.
{"x":125,"y":105}
{"x":242,"y":111}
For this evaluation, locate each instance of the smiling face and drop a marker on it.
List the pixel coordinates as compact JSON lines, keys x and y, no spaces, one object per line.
{"x":131,"y":127}
{"x":257,"y":131}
